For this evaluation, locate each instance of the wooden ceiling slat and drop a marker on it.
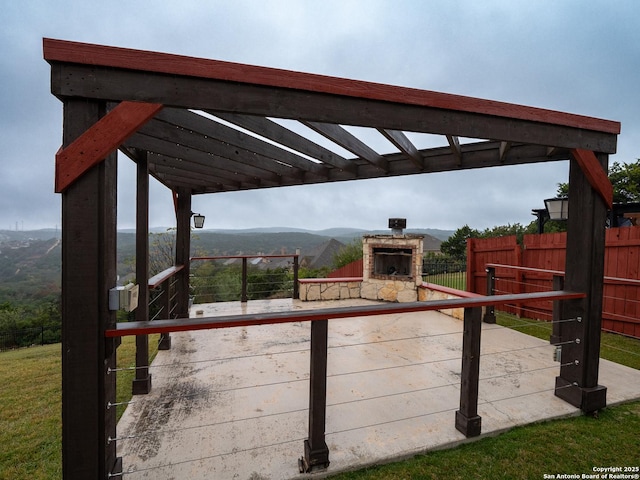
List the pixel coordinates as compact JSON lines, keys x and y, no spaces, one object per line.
{"x":215,"y":130}
{"x":194,"y":177}
{"x":167,"y":165}
{"x":349,"y":142}
{"x":239,"y":157}
{"x":402,"y":143}
{"x":269,"y":129}
{"x":215,"y":162}
{"x":206,"y":168}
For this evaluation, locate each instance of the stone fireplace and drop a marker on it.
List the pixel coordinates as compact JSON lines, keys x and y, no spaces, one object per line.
{"x":392,"y":265}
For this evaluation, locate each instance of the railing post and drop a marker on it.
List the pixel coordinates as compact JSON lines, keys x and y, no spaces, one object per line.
{"x":467,"y":419}
{"x":164,"y":343}
{"x":316,"y":452}
{"x":296,"y":287}
{"x":243,"y":297}
{"x":558,"y":284}
{"x":490,"y":311}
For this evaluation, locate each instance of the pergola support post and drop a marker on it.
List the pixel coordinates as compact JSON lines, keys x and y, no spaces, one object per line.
{"x":89,"y":259}
{"x":578,"y":380}
{"x":183,"y":252}
{"x":468,"y":421}
{"x":142,"y":380}
{"x":316,"y":451}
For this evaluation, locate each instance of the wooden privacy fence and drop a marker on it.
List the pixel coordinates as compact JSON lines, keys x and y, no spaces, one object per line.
{"x":542,"y":256}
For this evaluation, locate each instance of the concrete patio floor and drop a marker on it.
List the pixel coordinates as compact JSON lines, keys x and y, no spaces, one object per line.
{"x":232,"y":404}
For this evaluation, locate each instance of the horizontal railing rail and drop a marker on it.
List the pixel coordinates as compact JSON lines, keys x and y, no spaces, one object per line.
{"x":621,"y":296}
{"x":629,"y":281}
{"x":205,"y":323}
{"x":158,"y":279}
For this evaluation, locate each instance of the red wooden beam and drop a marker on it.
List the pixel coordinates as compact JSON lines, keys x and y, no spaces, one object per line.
{"x":595,"y":174}
{"x":100,"y":55}
{"x":102,"y":138}
{"x":207,"y":323}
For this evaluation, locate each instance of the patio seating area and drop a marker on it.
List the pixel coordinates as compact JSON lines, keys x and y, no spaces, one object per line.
{"x":233,"y":403}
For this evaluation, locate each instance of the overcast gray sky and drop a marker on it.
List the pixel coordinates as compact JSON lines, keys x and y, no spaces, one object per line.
{"x":578,"y":56}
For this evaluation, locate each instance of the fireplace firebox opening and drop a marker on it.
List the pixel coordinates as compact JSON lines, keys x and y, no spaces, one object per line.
{"x":395,"y":262}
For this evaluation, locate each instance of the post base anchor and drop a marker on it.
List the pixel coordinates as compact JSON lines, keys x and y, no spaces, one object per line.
{"x":313,"y":459}
{"x":468,"y":426}
{"x":587,"y":399}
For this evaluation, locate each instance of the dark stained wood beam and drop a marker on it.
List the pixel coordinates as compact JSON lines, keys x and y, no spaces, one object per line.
{"x":584,"y":270}
{"x":349,"y":142}
{"x":269,"y":129}
{"x":142,"y":381}
{"x":60,"y":51}
{"x":205,"y":94}
{"x":101,"y":139}
{"x":402,"y":143}
{"x":89,"y":208}
{"x":596,"y":175}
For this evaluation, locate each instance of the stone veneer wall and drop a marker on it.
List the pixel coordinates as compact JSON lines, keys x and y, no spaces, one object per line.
{"x":312,"y":289}
{"x":391,"y":288}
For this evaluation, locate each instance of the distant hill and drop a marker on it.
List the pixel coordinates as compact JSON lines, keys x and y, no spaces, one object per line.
{"x":30,"y":261}
{"x":30,"y":268}
{"x":344,"y":232}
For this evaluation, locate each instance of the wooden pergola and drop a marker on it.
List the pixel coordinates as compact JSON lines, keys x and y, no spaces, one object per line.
{"x":164,"y":112}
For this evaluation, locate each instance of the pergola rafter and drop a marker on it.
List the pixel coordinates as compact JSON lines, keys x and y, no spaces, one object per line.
{"x":204,"y":126}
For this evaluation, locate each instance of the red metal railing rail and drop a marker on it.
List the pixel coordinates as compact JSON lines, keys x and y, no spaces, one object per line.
{"x":205,"y":323}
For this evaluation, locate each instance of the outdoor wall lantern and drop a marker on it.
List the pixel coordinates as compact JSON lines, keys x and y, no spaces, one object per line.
{"x":198,"y":220}
{"x":558,"y":208}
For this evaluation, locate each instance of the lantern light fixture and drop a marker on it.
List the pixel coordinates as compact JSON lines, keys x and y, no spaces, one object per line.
{"x":558,"y":208}
{"x":198,"y":220}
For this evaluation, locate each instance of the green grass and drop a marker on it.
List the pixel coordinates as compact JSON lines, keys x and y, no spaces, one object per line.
{"x":30,"y":417}
{"x":30,"y":426}
{"x":457,"y":280}
{"x":570,"y":446}
{"x":30,"y":409}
